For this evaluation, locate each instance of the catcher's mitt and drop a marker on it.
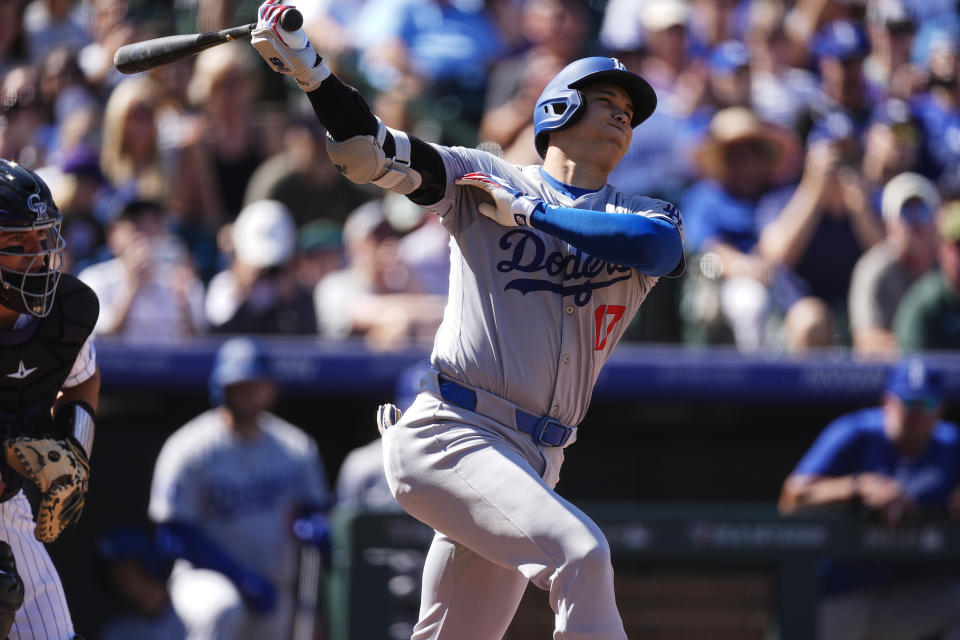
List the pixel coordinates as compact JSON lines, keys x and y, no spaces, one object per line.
{"x":61,"y":471}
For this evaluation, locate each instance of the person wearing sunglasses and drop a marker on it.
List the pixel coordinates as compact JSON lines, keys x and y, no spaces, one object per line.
{"x":894,"y":462}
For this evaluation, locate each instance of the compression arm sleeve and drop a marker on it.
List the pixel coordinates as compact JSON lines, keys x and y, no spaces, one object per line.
{"x":181,"y":540}
{"x":343,"y":111}
{"x":651,"y":245}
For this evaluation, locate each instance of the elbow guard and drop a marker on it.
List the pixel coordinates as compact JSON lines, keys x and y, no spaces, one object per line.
{"x":362,"y":159}
{"x":76,"y":420}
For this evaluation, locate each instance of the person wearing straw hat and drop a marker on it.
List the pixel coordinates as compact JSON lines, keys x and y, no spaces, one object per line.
{"x":743,"y":161}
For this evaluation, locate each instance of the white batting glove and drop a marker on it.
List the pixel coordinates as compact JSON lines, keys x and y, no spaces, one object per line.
{"x":289,"y":53}
{"x":513,"y":208}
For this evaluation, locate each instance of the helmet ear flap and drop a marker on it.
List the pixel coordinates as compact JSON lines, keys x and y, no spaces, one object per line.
{"x":558,"y":110}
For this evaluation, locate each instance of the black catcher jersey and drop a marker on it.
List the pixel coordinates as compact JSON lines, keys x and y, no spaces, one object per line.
{"x":36,"y":360}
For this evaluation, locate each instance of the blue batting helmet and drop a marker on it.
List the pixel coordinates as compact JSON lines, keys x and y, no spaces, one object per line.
{"x":561,"y":103}
{"x":237,"y":360}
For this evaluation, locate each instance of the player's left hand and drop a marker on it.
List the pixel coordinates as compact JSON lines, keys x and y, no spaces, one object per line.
{"x":289,"y":53}
{"x":61,"y":471}
{"x":511,"y":208}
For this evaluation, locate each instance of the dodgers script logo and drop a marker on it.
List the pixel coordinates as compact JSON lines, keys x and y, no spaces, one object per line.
{"x":529,"y":255}
{"x":38,"y":206}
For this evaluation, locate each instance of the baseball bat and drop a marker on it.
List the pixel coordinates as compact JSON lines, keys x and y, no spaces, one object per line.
{"x":141,"y":56}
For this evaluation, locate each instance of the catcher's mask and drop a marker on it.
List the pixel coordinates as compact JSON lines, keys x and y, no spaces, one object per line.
{"x":26,"y":206}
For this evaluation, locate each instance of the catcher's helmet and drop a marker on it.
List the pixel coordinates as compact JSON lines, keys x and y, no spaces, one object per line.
{"x":561,"y":103}
{"x":26,"y":205}
{"x":237,"y":360}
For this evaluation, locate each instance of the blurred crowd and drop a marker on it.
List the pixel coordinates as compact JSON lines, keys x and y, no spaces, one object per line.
{"x":813,"y":147}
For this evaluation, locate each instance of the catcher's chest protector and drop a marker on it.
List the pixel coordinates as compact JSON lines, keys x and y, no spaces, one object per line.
{"x":35,"y":361}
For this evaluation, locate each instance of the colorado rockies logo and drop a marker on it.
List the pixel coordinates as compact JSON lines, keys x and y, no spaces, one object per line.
{"x":38,"y":206}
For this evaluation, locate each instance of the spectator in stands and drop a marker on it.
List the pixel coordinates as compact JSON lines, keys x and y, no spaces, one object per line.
{"x":929,"y":313}
{"x":894,"y":462}
{"x":230,"y":147}
{"x":65,"y":95}
{"x":713,"y":22}
{"x":298,"y":177}
{"x":805,"y":18}
{"x":884,"y":273}
{"x":743,"y":161}
{"x":230,"y":144}
{"x":938,"y":109}
{"x":891,"y":145}
{"x":220,"y":150}
{"x":21,"y":117}
{"x":665,"y":61}
{"x":130,"y":154}
{"x":319,"y":252}
{"x":448,"y":46}
{"x":840,"y":48}
{"x":891,"y":28}
{"x":135,"y":574}
{"x":82,"y":199}
{"x":229,"y":488}
{"x":13,"y":49}
{"x":49,"y":23}
{"x":111,"y":27}
{"x":782,"y":86}
{"x":556,"y":32}
{"x":373,"y":296}
{"x":259,"y":292}
{"x":821,"y":232}
{"x":149,"y":291}
{"x":655,"y":163}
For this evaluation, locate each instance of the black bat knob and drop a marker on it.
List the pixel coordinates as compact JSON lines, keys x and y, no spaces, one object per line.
{"x":291,"y":20}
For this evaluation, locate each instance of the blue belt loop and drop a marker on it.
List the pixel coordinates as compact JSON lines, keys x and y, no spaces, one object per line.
{"x":545,"y":431}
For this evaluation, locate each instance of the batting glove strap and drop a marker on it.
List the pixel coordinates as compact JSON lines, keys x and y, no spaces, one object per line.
{"x":523,"y":208}
{"x":511,"y":208}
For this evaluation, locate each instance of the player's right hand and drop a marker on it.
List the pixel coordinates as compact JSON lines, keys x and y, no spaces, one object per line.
{"x":260,"y":595}
{"x":511,"y":208}
{"x":289,"y":53}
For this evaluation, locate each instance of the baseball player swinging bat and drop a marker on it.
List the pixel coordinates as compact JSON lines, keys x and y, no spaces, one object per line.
{"x":142,"y":56}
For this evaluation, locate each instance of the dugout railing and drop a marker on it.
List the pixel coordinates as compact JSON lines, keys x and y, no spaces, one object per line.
{"x":373,"y":580}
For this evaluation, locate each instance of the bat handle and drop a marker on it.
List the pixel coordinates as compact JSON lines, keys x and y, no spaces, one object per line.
{"x":291,"y":20}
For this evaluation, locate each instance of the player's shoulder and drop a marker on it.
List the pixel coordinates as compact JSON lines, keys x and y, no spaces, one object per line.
{"x":287,"y":434}
{"x":77,"y":301}
{"x":192,"y":437}
{"x":648,"y":205}
{"x":860,"y":423}
{"x":481,"y":160}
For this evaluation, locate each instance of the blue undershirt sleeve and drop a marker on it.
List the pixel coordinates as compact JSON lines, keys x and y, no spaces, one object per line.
{"x":651,"y":245}
{"x":181,"y":540}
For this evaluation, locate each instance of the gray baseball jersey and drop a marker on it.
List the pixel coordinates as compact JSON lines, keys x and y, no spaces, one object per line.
{"x":531,"y":318}
{"x":240,"y":493}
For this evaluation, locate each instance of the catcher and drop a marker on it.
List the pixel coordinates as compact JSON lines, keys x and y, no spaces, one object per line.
{"x":49,"y":386}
